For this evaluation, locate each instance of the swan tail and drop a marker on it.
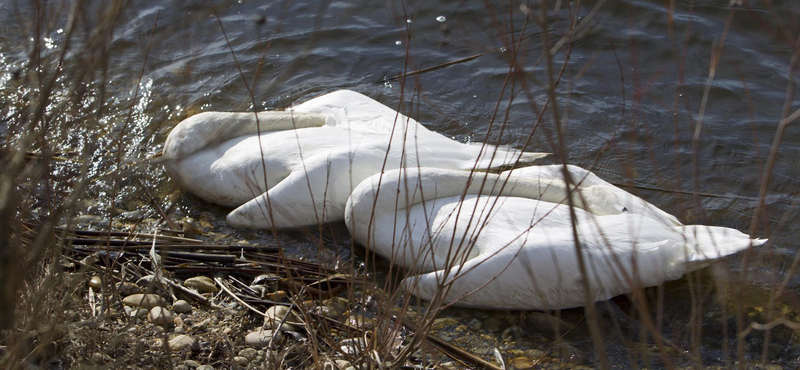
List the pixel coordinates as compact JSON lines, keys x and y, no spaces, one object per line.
{"x":706,"y":243}
{"x":496,"y":157}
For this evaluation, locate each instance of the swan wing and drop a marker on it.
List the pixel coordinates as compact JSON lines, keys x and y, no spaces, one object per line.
{"x":586,"y":178}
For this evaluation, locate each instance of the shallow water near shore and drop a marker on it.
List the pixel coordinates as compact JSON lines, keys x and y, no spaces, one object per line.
{"x":631,"y":96}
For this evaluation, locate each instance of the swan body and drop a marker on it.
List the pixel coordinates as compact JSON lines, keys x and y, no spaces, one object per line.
{"x":506,"y":241}
{"x":297,"y":167}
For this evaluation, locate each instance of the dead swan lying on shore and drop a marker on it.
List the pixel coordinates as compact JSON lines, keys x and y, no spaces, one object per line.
{"x":506,"y":241}
{"x":302,"y":167}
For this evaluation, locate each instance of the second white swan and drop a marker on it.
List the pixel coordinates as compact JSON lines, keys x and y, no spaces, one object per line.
{"x":507,"y":241}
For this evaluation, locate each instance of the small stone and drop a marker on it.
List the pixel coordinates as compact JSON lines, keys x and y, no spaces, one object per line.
{"x":274,"y":316}
{"x":189,"y":231}
{"x":131,"y":215}
{"x":475,"y":324}
{"x":259,"y":338}
{"x":542,"y":322}
{"x":202,"y":325}
{"x":180,"y":330}
{"x":444,"y":322}
{"x":146,"y":280}
{"x":125,"y":289}
{"x":181,"y":306}
{"x":512,"y":333}
{"x":241,"y":361}
{"x":343,"y":364}
{"x":192,"y":363}
{"x":277,"y":296}
{"x":160,"y":316}
{"x":144,"y":300}
{"x":523,"y":363}
{"x":248,"y":353}
{"x":183,"y":342}
{"x":202,"y":284}
{"x":95,"y":283}
{"x":138,"y":313}
{"x":205,"y":367}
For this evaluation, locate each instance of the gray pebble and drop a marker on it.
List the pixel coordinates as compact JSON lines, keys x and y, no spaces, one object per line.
{"x":181,"y":306}
{"x":183,"y":342}
{"x":259,"y":338}
{"x":160,"y":316}
{"x":144,"y":300}
{"x":241,"y":361}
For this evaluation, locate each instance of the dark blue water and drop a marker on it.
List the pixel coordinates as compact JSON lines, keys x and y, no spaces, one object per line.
{"x":630,"y":98}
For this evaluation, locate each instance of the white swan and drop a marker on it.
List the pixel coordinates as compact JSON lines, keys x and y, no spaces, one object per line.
{"x":508,"y":238}
{"x":314,"y":155}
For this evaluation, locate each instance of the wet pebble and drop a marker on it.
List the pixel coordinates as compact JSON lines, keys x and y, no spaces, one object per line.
{"x":523,"y":363}
{"x":189,"y":231}
{"x":144,"y":300}
{"x":443,"y":322}
{"x":89,"y":220}
{"x":181,"y":306}
{"x":512,"y":333}
{"x":131,"y":215}
{"x":183,"y":342}
{"x":160,"y":316}
{"x":259,"y":338}
{"x":191,"y":363}
{"x":205,"y":367}
{"x":475,"y":324}
{"x":202,"y":284}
